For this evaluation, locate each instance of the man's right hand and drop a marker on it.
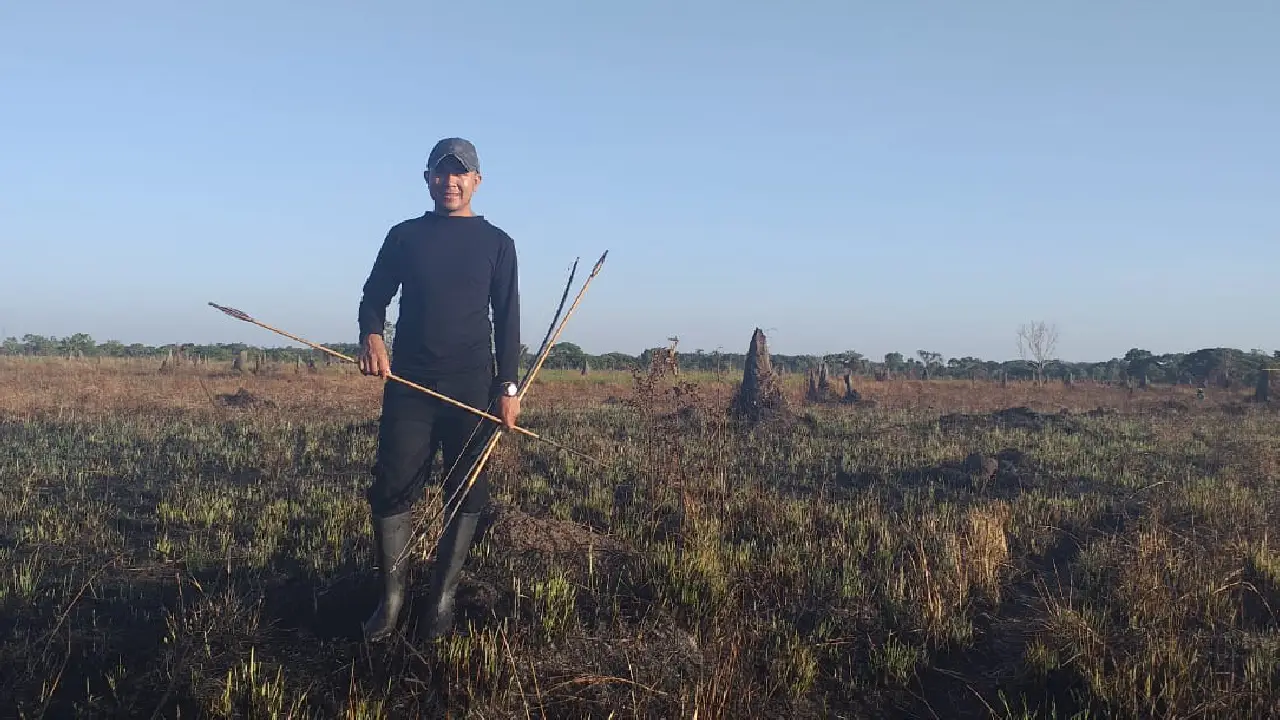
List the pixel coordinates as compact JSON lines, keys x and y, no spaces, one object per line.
{"x":373,"y":357}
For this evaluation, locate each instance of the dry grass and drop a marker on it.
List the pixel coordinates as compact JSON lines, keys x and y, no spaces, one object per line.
{"x":168,"y":546}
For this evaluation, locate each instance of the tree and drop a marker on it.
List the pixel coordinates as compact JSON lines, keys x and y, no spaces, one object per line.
{"x":964,"y":367}
{"x":565,"y":355}
{"x":1138,"y":364}
{"x":854,"y":361}
{"x":850,"y":360}
{"x":37,"y":344}
{"x":80,"y":344}
{"x":1205,"y":365}
{"x":1037,"y":343}
{"x":111,"y":348}
{"x":929,"y":359}
{"x":566,"y":349}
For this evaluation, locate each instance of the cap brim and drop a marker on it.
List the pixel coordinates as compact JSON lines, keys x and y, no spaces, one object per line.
{"x":465,"y":165}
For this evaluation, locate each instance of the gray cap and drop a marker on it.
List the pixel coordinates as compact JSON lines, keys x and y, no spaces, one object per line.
{"x":457,"y":147}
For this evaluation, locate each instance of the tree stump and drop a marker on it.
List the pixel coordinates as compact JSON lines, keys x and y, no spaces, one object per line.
{"x":586,"y":366}
{"x":760,"y":395}
{"x":241,"y":363}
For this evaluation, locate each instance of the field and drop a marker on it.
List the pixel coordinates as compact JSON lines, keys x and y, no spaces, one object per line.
{"x":196,"y":544}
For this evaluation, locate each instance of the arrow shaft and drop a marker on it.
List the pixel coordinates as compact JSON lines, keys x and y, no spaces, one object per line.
{"x":239,"y":315}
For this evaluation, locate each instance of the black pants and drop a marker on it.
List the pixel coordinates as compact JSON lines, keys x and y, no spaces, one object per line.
{"x":414,"y":426}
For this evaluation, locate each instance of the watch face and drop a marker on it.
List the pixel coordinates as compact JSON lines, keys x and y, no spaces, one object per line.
{"x":509,"y":389}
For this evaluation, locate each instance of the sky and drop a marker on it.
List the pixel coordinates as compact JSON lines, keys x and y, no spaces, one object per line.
{"x":845,"y":175}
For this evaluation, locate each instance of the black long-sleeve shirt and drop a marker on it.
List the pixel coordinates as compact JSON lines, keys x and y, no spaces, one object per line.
{"x":451,"y":270}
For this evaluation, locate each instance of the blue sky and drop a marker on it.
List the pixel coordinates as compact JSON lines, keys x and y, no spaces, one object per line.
{"x":847,"y":175}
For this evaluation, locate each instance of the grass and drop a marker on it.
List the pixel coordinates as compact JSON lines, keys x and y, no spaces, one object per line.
{"x":164,"y":552}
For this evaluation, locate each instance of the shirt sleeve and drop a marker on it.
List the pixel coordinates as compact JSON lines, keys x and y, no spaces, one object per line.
{"x":379,"y":288}
{"x":504,"y":294}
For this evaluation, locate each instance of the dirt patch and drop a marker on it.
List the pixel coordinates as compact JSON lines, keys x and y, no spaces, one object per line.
{"x":1009,"y":470}
{"x":517,"y":531}
{"x":528,"y":545}
{"x":981,"y":466}
{"x":1006,"y":473}
{"x":1016,"y":418}
{"x":586,"y":676}
{"x":1012,"y":459}
{"x":479,"y":602}
{"x":687,"y":418}
{"x":243,"y":399}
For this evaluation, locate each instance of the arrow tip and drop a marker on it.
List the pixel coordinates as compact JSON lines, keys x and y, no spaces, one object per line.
{"x":237,"y":314}
{"x":600,"y":263}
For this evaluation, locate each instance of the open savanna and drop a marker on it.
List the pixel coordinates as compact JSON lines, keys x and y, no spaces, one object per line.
{"x":197,"y":544}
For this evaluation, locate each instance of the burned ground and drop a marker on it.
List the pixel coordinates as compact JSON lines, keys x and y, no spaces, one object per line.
{"x":990,"y":555}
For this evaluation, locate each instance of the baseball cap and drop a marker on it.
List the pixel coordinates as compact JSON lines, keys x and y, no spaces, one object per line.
{"x":457,"y":147}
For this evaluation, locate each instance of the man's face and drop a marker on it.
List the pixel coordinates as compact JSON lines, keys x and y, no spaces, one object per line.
{"x":452,"y":186}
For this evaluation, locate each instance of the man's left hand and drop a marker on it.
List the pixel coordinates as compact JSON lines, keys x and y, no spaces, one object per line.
{"x":509,"y":410}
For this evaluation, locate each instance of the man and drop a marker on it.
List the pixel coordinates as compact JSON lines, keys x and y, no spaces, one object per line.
{"x":452,"y":266}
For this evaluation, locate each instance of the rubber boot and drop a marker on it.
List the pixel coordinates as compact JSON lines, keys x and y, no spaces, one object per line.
{"x":390,"y":542}
{"x":437,"y":619}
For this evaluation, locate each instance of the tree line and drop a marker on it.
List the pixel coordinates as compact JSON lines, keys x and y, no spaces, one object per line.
{"x":1214,"y":366}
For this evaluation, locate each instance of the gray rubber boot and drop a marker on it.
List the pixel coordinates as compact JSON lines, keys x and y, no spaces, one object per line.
{"x":391,"y":537}
{"x":437,"y":618}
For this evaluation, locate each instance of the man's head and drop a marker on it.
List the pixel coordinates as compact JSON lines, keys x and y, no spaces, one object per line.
{"x":452,"y":175}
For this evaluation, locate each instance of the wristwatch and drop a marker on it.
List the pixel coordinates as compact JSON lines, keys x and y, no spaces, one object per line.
{"x":509,"y":389}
